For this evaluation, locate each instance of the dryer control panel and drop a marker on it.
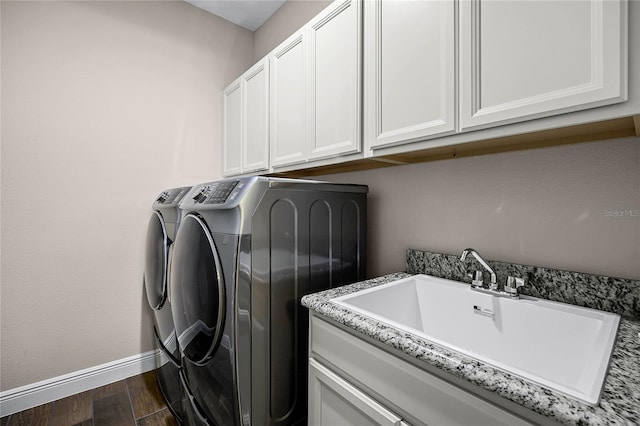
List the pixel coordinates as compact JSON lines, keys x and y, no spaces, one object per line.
{"x":221,"y":195}
{"x":216,"y":192}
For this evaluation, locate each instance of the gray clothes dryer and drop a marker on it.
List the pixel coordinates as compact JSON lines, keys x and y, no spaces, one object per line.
{"x":246,"y":252}
{"x":161,"y":232}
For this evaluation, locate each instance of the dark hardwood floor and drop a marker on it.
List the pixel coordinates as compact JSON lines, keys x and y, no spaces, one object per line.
{"x":134,"y":401}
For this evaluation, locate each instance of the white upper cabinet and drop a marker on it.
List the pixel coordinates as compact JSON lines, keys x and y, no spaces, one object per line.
{"x":334,"y":80}
{"x":315,"y":88}
{"x":245,"y":135}
{"x":409,"y":71}
{"x":288,"y":102}
{"x":255,"y":128}
{"x":526,"y":59}
{"x":232,"y":129}
{"x":395,"y":76}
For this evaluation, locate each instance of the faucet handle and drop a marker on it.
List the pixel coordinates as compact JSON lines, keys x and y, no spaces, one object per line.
{"x":476,"y":278}
{"x":513,"y":284}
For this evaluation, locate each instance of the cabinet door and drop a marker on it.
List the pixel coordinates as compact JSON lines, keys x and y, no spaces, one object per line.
{"x":409,"y":71}
{"x":255,"y":114}
{"x":232,"y":130}
{"x":288,"y":115}
{"x":527,"y":59}
{"x":333,"y":401}
{"x":416,"y":394}
{"x":334,"y":80}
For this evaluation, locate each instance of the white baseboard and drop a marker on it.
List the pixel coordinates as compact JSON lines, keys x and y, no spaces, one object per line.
{"x":28,"y":396}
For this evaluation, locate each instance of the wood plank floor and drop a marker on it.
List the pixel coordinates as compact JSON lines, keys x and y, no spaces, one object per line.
{"x":136,"y":401}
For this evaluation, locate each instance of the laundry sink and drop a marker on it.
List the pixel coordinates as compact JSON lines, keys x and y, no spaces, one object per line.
{"x":560,"y":346}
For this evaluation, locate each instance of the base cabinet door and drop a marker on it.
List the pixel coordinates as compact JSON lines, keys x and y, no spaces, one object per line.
{"x":350,"y":369}
{"x":334,"y":401}
{"x":521,"y":60}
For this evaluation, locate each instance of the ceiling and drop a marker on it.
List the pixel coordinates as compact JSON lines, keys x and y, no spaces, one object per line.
{"x":249,"y":14}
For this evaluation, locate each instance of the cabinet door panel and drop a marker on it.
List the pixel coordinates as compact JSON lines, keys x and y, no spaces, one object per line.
{"x":409,"y":71}
{"x":416,"y":395}
{"x":288,"y":110}
{"x":334,"y":69}
{"x":528,"y":59}
{"x":333,"y":401}
{"x":232,"y":130}
{"x":255,"y":152}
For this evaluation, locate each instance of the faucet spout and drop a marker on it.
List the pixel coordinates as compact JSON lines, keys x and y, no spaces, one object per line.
{"x":484,"y":264}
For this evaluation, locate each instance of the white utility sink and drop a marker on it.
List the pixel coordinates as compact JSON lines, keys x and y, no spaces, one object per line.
{"x":560,"y":346}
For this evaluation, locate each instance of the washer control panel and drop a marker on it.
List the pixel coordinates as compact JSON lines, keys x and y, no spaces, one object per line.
{"x":171,"y":197}
{"x":216,"y":192}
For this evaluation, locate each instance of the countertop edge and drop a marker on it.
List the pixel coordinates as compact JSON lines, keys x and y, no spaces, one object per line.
{"x":527,"y":394}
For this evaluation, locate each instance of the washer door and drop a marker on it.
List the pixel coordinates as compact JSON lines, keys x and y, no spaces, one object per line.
{"x":156,"y":261}
{"x":197,"y":291}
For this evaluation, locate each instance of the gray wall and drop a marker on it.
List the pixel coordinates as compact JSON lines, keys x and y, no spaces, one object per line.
{"x":553,"y":207}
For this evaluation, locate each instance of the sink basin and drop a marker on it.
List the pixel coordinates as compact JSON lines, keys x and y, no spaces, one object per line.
{"x":560,"y":346}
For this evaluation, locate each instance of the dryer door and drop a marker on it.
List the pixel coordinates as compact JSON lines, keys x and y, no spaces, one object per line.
{"x":156,"y":261}
{"x":197,"y":291}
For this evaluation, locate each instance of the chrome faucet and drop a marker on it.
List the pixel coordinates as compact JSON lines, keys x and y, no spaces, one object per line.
{"x":477,"y":283}
{"x":512,"y":286}
{"x":477,"y":278}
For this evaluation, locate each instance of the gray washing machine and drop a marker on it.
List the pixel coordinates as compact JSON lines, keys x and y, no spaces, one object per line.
{"x":246,"y":252}
{"x":161,"y":232}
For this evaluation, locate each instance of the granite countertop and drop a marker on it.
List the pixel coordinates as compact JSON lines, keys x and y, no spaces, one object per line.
{"x":619,"y":404}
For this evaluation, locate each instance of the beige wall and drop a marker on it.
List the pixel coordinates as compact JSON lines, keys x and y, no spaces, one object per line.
{"x":104,"y":104}
{"x":289,"y":18}
{"x":552,"y":207}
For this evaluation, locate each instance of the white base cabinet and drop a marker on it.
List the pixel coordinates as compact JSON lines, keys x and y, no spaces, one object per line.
{"x":352,"y":382}
{"x":334,"y":401}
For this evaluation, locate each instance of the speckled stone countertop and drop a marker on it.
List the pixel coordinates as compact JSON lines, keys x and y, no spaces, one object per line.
{"x":619,"y":404}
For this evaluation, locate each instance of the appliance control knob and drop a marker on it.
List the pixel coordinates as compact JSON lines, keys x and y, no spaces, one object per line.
{"x":163,"y":197}
{"x":204,"y":191}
